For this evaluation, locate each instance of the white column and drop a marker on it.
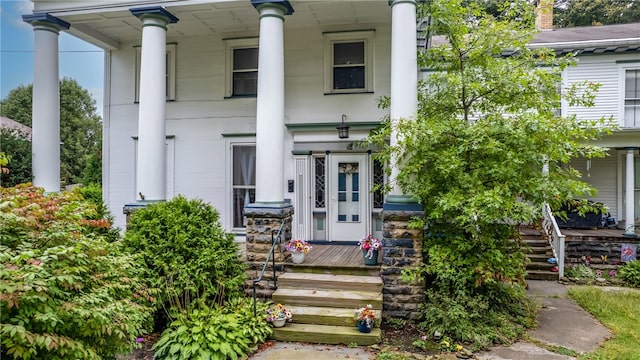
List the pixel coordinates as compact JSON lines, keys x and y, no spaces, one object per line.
{"x":151,"y":162}
{"x":270,"y":105}
{"x":45,"y":137}
{"x":629,"y":199}
{"x":404,"y":72}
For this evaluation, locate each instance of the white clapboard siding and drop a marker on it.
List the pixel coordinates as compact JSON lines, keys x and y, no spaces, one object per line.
{"x":200,"y":114}
{"x":602,"y":175}
{"x":604,"y":71}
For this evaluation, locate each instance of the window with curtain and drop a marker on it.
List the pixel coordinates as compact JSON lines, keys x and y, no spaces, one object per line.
{"x":244,"y":181}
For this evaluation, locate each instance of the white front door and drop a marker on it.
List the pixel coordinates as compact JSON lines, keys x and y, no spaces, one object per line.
{"x":349,"y":214}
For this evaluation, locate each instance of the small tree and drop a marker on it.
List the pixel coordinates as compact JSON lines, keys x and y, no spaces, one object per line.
{"x":80,"y":130}
{"x":474,"y":156}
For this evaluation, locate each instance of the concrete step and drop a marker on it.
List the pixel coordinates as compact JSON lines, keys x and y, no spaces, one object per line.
{"x":538,"y":257}
{"x":326,"y":334}
{"x":330,"y":281}
{"x":325,"y":315}
{"x":327,"y":298}
{"x":541,"y":275}
{"x":539,"y":265}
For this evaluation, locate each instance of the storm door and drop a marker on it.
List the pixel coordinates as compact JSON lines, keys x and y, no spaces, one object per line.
{"x":348,"y":213}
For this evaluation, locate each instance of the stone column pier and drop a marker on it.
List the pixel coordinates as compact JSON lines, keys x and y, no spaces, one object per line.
{"x":401,"y":249}
{"x":262,"y":222}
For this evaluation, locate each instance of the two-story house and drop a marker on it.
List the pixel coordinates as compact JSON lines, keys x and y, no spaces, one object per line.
{"x":237,"y":102}
{"x":608,"y":55}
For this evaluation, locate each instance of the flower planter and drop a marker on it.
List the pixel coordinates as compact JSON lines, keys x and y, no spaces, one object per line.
{"x":370,"y":259}
{"x":362,"y":327}
{"x":574,"y":220}
{"x":297,"y":257}
{"x":279,"y":322}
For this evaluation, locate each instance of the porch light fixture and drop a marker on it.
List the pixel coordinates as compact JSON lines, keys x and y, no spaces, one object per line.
{"x":343,"y":129}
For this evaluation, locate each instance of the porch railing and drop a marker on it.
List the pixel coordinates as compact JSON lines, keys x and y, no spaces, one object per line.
{"x":554,"y":236}
{"x":275,"y":239}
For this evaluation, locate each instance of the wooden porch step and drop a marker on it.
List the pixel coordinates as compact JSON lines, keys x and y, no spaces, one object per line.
{"x":326,"y":334}
{"x":327,"y":298}
{"x":330,"y":281}
{"x":325,"y":315}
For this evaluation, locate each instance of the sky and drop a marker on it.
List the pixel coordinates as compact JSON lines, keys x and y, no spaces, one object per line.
{"x":78,"y":59}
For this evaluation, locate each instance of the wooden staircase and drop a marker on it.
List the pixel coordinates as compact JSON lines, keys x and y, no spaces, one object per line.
{"x":538,"y":253}
{"x":323,"y":305}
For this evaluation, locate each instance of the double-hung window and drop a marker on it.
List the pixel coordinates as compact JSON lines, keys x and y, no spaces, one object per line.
{"x":632,"y":98}
{"x":169,"y":73}
{"x":348,"y":62}
{"x":242,"y":67}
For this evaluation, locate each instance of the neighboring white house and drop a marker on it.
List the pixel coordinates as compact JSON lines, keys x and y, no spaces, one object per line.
{"x":238,"y":102}
{"x":608,"y":55}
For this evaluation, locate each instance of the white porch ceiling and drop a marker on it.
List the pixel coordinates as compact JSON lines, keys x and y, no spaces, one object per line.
{"x":109,"y":26}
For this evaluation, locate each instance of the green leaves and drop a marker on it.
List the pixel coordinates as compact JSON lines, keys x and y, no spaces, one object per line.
{"x":186,"y":253}
{"x":474,"y":155}
{"x":65,"y":291}
{"x":222,"y":332}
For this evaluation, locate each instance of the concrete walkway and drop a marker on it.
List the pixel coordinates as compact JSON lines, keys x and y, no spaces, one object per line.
{"x":561,"y":322}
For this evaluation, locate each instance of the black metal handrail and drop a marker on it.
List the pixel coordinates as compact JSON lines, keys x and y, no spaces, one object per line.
{"x":275,"y":239}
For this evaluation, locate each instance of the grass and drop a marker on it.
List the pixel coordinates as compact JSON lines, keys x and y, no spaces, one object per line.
{"x":618,"y":311}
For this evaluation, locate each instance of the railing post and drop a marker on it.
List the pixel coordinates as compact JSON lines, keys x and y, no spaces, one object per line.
{"x":561,"y":256}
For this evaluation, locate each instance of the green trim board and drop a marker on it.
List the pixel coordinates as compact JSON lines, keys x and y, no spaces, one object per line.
{"x":231,"y":135}
{"x":369,"y":125}
{"x":166,"y":137}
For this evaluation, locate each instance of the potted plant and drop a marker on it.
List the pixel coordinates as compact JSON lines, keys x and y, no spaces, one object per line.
{"x":298,"y":249}
{"x":370,"y":246}
{"x":365,"y":318}
{"x":278,"y":315}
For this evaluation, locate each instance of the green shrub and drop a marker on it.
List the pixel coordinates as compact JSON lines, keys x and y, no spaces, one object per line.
{"x":630,"y":273}
{"x":225,"y":332}
{"x":470,"y":298}
{"x":580,"y":271}
{"x":93,"y":194}
{"x":186,"y":253}
{"x":66,"y":292}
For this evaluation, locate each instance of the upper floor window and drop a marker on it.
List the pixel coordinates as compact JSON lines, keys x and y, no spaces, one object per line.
{"x":632,"y":98}
{"x":349,"y":62}
{"x":242,"y":67}
{"x":169,"y":73}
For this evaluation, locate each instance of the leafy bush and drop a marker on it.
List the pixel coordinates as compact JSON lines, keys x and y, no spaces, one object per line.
{"x":470,"y":298}
{"x":580,"y":271}
{"x":186,"y":253}
{"x":630,"y":273}
{"x":66,"y":292}
{"x":225,"y":332}
{"x":93,"y":194}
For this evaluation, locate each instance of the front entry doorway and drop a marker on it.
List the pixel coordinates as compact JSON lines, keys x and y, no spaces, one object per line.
{"x":348,"y":213}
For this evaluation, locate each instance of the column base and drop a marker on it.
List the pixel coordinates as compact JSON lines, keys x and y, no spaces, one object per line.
{"x":130,"y":208}
{"x":263,"y":222}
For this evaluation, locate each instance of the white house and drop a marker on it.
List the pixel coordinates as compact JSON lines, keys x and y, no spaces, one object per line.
{"x":608,"y":55}
{"x":237,"y":102}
